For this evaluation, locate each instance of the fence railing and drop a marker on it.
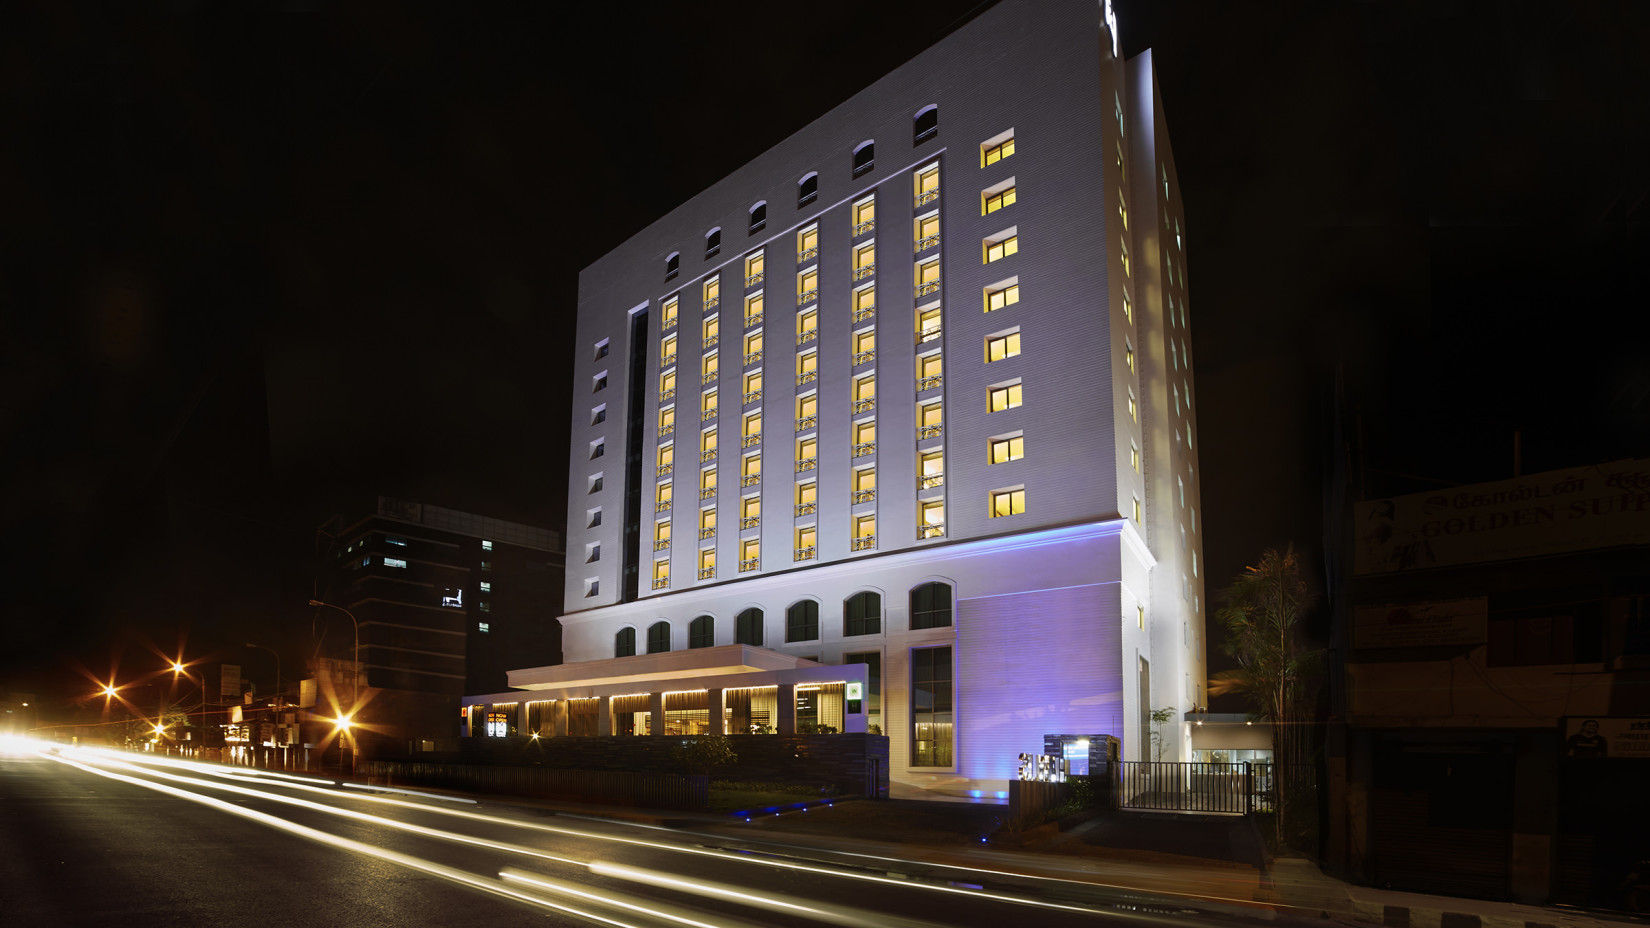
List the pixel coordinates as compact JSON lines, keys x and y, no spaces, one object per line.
{"x":1238,"y":788}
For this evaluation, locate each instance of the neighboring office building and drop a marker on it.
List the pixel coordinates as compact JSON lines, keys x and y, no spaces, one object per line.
{"x":446,"y":601}
{"x":911,"y":390}
{"x":1496,"y":736}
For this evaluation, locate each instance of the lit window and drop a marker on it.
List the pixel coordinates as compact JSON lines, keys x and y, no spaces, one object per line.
{"x":1136,"y":510}
{"x":707,"y":404}
{"x":998,"y":347}
{"x":753,"y":269}
{"x":865,"y":215}
{"x":1128,"y":310}
{"x":668,"y":317}
{"x":667,"y":350}
{"x":753,"y":347}
{"x":1009,"y":448}
{"x":931,"y":469}
{"x":711,"y":330}
{"x":486,"y":587}
{"x":667,"y":420}
{"x":927,"y":182}
{"x":708,"y":367}
{"x":930,"y":368}
{"x":930,"y":419}
{"x":991,"y":201}
{"x":707,"y":563}
{"x":805,"y":497}
{"x":865,"y":392}
{"x":395,"y":562}
{"x":713,"y":292}
{"x":992,"y":154}
{"x":707,"y":483}
{"x":753,"y":310}
{"x":1000,"y":296}
{"x":667,"y":459}
{"x":707,"y":522}
{"x":1122,"y":209}
{"x":807,"y":367}
{"x":750,"y":470}
{"x":1001,"y":246}
{"x":865,"y":260}
{"x":865,"y":438}
{"x":753,"y":386}
{"x":806,"y":449}
{"x":1008,"y":502}
{"x":484,"y":627}
{"x":486,"y":546}
{"x":807,"y":243}
{"x":1122,"y":168}
{"x":928,"y":323}
{"x":750,"y":511}
{"x":1140,"y":616}
{"x":865,"y":538}
{"x":807,"y":411}
{"x":806,"y":548}
{"x":1134,"y":457}
{"x":865,"y":346}
{"x":667,"y":384}
{"x":662,"y":497}
{"x":753,"y":426}
{"x":661,"y":535}
{"x":707,"y":444}
{"x":1006,"y":396}
{"x":1128,"y":356}
{"x":927,"y":231}
{"x":750,"y":558}
{"x":807,"y":286}
{"x":661,"y":574}
{"x":1123,"y":252}
{"x":928,"y":277}
{"x":931,"y":518}
{"x":1134,"y":410}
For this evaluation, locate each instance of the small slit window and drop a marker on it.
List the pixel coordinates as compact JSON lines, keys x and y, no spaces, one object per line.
{"x":759,"y":216}
{"x":713,"y":242}
{"x":673,"y":264}
{"x":807,"y":189}
{"x":926,"y":124}
{"x":865,"y":156}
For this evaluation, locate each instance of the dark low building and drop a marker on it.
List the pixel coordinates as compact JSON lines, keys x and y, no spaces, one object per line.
{"x":445,"y":601}
{"x":1495,"y":729}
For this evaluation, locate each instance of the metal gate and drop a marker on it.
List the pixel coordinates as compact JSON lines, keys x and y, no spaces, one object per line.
{"x":1193,"y":786}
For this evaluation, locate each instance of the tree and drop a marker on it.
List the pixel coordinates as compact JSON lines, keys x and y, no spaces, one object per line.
{"x":1262,"y":613}
{"x":1161,"y":717}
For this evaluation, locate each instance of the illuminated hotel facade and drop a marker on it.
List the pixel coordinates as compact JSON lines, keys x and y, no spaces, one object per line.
{"x":904,"y":402}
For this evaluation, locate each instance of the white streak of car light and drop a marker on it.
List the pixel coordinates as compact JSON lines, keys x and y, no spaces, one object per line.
{"x":671,"y":913}
{"x":432,"y":868}
{"x":406,"y":792}
{"x":836,"y":915}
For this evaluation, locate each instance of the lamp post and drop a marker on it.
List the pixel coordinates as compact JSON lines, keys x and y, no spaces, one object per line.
{"x":277,"y":706}
{"x":181,"y":669}
{"x":355,"y":699}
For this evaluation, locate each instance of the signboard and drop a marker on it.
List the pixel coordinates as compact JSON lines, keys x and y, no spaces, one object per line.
{"x":1606,"y":737}
{"x":229,"y":680}
{"x":1043,"y":768}
{"x":1419,"y":625}
{"x":853,"y":693}
{"x":1550,"y":513}
{"x":306,"y":693}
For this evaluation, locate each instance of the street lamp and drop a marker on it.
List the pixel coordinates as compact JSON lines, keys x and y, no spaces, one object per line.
{"x":355,"y":747}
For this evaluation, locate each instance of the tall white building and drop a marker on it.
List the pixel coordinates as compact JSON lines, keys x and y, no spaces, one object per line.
{"x":911,"y":390}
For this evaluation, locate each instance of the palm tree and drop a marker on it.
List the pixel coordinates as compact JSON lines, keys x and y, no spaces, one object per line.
{"x":1262,"y":612}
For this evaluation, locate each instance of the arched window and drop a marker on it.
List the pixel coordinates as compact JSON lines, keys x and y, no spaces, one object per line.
{"x":673,"y":264}
{"x":713,"y":242}
{"x":624,"y":643}
{"x":865,"y":155}
{"x":807,"y":188}
{"x":658,"y":637}
{"x":702,"y":632}
{"x":802,"y":621}
{"x":759,"y":216}
{"x":747,"y":628}
{"x":931,"y":606}
{"x":926,"y":124}
{"x":862,"y":614}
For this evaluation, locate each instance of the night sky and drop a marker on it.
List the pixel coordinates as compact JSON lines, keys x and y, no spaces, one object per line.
{"x":257,"y":269}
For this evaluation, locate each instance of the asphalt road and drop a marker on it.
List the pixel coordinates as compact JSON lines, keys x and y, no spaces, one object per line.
{"x":103,"y":838}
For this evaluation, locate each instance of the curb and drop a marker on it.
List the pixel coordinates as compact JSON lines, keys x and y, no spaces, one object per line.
{"x":1401,"y":916}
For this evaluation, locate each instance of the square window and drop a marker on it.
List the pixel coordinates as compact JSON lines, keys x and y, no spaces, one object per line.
{"x":486,"y":586}
{"x":592,"y":586}
{"x":1008,"y":502}
{"x":997,"y":197}
{"x":1006,"y":345}
{"x":1008,"y":448}
{"x":1001,"y":295}
{"x":996,"y":149}
{"x":1001,"y":246}
{"x":1003,"y":397}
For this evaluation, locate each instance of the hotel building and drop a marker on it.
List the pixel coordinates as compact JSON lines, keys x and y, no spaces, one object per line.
{"x":902,"y":407}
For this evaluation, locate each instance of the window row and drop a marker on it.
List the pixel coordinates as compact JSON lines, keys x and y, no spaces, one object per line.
{"x":862,"y":614}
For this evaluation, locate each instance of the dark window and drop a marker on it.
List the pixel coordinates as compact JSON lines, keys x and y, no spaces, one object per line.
{"x":598,"y":415}
{"x":595,"y":518}
{"x":713,"y":243}
{"x":802,"y":621}
{"x":865,"y":157}
{"x":596,"y":487}
{"x":658,"y":638}
{"x":759,"y":216}
{"x":931,"y":707}
{"x":601,"y":349}
{"x":931,"y":606}
{"x":702,"y":632}
{"x":597,"y":450}
{"x":600,"y":383}
{"x":624,"y":643}
{"x":673,"y":264}
{"x":1533,"y":635}
{"x":862,"y":614}
{"x":926,"y":124}
{"x":747,"y":628}
{"x":807,"y":189}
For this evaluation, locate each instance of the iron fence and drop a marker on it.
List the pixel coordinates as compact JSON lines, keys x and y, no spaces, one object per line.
{"x":1199,"y":786}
